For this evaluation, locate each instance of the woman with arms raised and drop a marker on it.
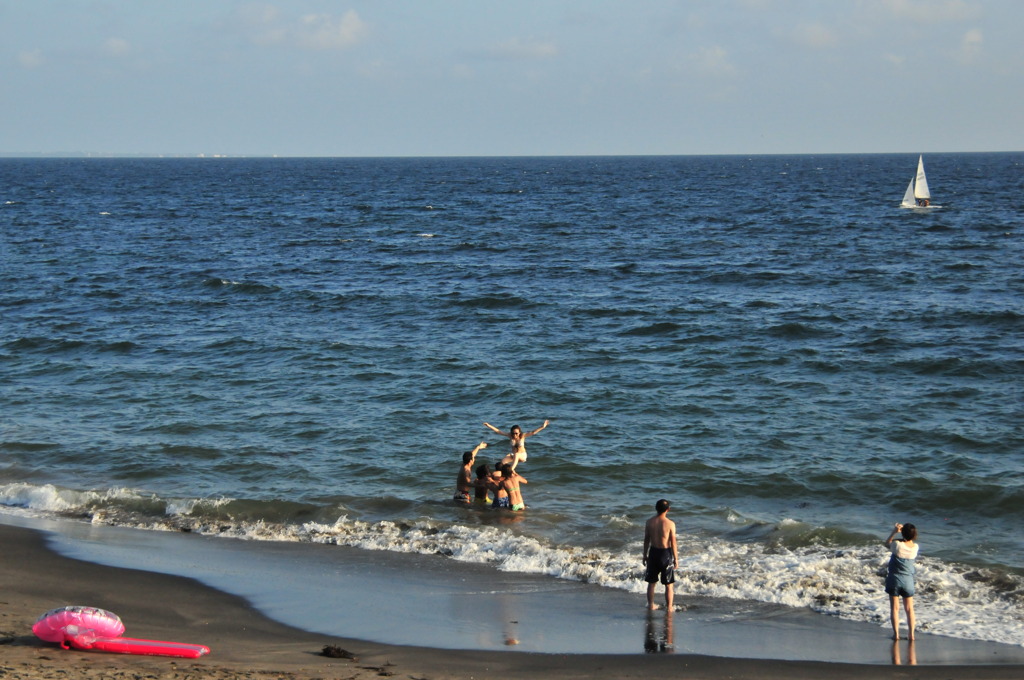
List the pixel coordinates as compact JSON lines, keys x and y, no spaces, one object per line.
{"x":517,"y":440}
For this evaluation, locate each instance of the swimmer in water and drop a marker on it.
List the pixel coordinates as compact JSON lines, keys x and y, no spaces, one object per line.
{"x":517,"y":440}
{"x":510,"y":484}
{"x":480,"y":484}
{"x":497,"y":485}
{"x":464,"y":482}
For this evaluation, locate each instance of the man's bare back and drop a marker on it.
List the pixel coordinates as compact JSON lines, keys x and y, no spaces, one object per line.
{"x":661,"y":532}
{"x":661,"y":554}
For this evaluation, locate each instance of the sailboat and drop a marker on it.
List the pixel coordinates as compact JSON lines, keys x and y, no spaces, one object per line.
{"x":917,"y":195}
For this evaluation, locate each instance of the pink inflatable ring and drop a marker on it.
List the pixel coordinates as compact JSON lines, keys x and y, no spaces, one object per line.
{"x":53,"y":625}
{"x":89,"y":628}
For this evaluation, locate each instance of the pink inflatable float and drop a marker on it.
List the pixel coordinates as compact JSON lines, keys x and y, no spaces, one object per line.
{"x":98,"y":629}
{"x":56,"y":624}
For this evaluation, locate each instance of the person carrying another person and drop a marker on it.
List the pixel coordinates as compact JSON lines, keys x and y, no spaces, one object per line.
{"x":510,"y":483}
{"x":496,"y":484}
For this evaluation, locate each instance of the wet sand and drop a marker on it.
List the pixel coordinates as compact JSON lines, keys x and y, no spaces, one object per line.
{"x":246,"y":644}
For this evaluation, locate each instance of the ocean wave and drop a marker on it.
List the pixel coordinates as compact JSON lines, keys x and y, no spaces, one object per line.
{"x":240,"y":286}
{"x":46,"y":345}
{"x":953,"y":367}
{"x":753,"y":278}
{"x":794,"y":330}
{"x":612,"y":312}
{"x":490,"y":301}
{"x":660,"y":328}
{"x":789,"y":563}
{"x":29,"y":447}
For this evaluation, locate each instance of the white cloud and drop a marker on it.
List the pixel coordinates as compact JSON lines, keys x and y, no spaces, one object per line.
{"x":930,"y":11}
{"x":262,"y":24}
{"x":463,"y":72}
{"x":376,"y":69}
{"x":259,"y":14}
{"x":970,"y":45}
{"x":31,"y":58}
{"x":713,"y":61}
{"x":117,"y":47}
{"x":266,"y":26}
{"x":517,"y":49}
{"x":324,"y":32}
{"x":816,"y":36}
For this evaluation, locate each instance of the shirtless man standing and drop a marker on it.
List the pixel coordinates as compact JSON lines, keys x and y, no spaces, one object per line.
{"x":464,"y":482}
{"x":660,"y":554}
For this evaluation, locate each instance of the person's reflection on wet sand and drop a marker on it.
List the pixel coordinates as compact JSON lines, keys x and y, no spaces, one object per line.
{"x":911,"y":654}
{"x":659,"y":639}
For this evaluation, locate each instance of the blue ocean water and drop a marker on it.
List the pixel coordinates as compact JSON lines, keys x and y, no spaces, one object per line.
{"x":301,"y":349}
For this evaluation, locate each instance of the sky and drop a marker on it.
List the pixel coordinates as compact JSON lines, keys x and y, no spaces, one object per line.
{"x":510,"y":77}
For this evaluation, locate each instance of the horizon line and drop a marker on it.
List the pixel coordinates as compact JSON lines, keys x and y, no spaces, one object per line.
{"x":56,"y":155}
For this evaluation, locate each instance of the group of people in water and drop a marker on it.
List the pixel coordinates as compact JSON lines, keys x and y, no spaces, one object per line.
{"x":498,"y":488}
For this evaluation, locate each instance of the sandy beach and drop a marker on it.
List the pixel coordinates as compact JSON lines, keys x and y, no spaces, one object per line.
{"x":246,"y":644}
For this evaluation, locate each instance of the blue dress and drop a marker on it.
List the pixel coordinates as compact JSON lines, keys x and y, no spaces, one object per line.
{"x":899,"y":580}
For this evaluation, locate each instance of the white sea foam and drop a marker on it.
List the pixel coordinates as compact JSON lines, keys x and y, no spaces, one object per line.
{"x":953,"y":600}
{"x":49,"y":498}
{"x":187,"y":506}
{"x":46,"y":497}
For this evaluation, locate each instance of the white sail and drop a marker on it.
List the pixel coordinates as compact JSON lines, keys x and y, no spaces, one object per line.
{"x":921,"y":182}
{"x":908,"y":198}
{"x":917,"y":194}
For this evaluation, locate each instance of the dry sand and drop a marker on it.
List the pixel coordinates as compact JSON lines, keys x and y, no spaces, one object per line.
{"x":246,"y":644}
